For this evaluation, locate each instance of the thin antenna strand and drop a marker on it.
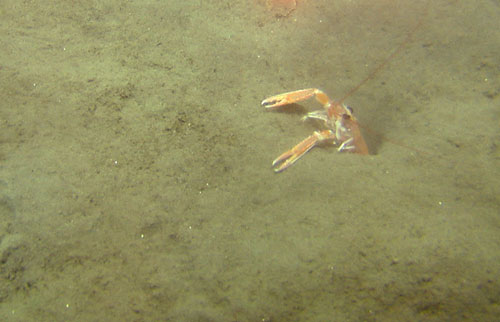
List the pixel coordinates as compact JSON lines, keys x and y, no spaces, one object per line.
{"x":383,"y":64}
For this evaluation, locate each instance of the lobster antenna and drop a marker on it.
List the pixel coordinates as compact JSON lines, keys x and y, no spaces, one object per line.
{"x":384,"y":63}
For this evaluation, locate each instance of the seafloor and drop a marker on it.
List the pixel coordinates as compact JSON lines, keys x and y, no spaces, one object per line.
{"x":135,"y":178}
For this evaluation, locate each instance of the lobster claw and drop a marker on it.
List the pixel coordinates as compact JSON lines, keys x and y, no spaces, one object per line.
{"x":291,"y":156}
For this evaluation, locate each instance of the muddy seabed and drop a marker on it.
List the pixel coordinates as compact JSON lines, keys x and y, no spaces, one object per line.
{"x":135,"y":178}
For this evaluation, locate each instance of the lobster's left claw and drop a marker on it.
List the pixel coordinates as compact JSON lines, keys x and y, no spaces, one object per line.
{"x":290,"y":157}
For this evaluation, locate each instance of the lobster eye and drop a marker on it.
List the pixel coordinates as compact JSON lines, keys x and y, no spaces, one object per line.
{"x":349,"y":109}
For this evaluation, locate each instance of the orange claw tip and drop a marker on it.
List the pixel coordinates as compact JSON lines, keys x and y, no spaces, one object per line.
{"x":283,"y":161}
{"x":281,"y":166}
{"x":271,"y":102}
{"x":280,"y":169}
{"x":267,"y":103}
